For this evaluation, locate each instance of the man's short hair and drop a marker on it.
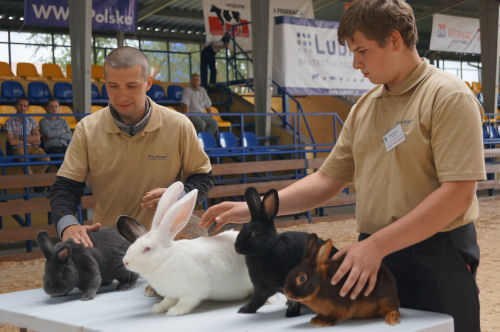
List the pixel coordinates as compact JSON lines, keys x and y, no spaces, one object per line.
{"x":126,"y":57}
{"x":195,"y":74}
{"x":377,"y":19}
{"x":19,"y":99}
{"x":53,"y":99}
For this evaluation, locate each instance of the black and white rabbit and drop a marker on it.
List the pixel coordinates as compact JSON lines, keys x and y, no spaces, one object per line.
{"x":71,"y":265}
{"x":269,"y":255}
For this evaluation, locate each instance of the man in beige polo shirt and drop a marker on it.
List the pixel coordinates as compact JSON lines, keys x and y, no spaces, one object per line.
{"x":413,"y":147}
{"x":129,"y":151}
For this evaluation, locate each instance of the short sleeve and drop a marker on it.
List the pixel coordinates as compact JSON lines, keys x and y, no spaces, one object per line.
{"x":340,"y":162}
{"x":75,"y":165}
{"x":456,"y":139}
{"x":185,"y":97}
{"x":208,"y":102}
{"x":193,"y":157}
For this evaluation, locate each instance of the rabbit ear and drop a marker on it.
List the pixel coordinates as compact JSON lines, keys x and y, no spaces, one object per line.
{"x":324,"y":252}
{"x":45,"y":243}
{"x":270,"y":204}
{"x":253,"y":201}
{"x":177,"y":217}
{"x":311,"y":246}
{"x":168,"y":198}
{"x":129,"y":228}
{"x":63,"y":253}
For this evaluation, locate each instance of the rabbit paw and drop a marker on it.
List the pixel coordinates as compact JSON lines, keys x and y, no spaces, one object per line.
{"x":87,"y":296}
{"x":293,"y":309}
{"x":184,"y":306}
{"x":122,"y":286}
{"x":163,"y":306}
{"x":247,"y":309}
{"x":323,"y":321}
{"x":392,"y":317}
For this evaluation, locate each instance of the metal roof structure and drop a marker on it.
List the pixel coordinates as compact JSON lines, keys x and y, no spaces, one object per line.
{"x":183,"y":19}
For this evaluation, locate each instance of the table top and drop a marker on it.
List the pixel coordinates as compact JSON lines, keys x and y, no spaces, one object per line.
{"x":131,"y":311}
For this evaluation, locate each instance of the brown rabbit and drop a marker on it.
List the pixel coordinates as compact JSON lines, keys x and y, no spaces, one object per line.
{"x":309,"y":283}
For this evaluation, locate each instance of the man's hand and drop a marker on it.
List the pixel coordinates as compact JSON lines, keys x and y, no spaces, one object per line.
{"x":79,"y":233}
{"x":223,"y":213}
{"x":362,"y":261}
{"x":151,"y":199}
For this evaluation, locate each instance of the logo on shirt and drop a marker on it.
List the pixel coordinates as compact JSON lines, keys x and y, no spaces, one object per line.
{"x":404,"y":122}
{"x":157,"y":156}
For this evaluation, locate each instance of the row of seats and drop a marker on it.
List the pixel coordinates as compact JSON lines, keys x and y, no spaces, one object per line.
{"x":50,"y":71}
{"x":227,"y":140}
{"x":39,"y":93}
{"x":36,"y":109}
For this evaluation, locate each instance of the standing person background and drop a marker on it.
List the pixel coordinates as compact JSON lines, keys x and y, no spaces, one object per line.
{"x":414,"y":171}
{"x":195,"y":99}
{"x":55,"y":131}
{"x":14,"y":127}
{"x":207,"y":60}
{"x":130,"y":152}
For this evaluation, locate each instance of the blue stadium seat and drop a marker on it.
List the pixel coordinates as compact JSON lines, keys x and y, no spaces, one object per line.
{"x":38,"y":93}
{"x":493,"y":132}
{"x":175,"y":92}
{"x":63,"y":91}
{"x":104,"y":92}
{"x":11,"y":91}
{"x":207,"y":140}
{"x":228,"y":141}
{"x":96,"y":96}
{"x":157,"y":94}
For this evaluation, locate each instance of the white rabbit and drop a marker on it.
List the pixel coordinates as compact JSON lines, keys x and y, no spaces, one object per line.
{"x":184,"y":272}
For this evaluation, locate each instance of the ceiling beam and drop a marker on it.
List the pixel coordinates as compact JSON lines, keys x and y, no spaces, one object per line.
{"x":190,"y":14}
{"x":445,"y":6}
{"x":152,"y":9}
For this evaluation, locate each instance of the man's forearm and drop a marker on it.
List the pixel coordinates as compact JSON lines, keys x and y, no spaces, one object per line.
{"x":433,"y":214}
{"x":203,"y":182}
{"x":65,"y":195}
{"x":308,"y":193}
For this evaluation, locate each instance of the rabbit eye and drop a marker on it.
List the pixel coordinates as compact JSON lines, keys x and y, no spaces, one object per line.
{"x":146,"y":249}
{"x":301,"y":278}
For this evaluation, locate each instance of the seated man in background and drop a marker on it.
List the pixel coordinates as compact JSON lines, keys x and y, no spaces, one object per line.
{"x":195,"y":99}
{"x":55,"y":131}
{"x":14,"y":127}
{"x":129,"y":152}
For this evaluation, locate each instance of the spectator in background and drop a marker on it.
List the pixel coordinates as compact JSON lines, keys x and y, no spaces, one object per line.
{"x":207,"y":59}
{"x":195,"y":99}
{"x":14,"y":127}
{"x":55,"y":130}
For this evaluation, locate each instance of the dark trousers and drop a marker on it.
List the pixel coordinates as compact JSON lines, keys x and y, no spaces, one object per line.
{"x":207,"y":60}
{"x":439,"y":274}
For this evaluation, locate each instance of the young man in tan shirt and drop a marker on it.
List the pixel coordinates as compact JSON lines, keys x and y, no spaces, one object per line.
{"x":404,"y":144}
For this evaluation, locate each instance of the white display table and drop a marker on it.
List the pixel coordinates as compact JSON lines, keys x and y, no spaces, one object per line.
{"x":131,"y":311}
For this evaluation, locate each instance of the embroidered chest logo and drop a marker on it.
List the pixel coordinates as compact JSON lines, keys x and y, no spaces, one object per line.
{"x":404,"y":122}
{"x":157,"y":156}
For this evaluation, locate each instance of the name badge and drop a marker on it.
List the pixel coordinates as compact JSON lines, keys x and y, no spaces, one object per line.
{"x":394,"y":137}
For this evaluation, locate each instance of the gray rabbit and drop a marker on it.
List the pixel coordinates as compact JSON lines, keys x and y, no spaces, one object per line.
{"x":71,"y":265}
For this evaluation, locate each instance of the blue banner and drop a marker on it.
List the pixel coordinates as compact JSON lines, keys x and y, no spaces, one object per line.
{"x":118,"y":15}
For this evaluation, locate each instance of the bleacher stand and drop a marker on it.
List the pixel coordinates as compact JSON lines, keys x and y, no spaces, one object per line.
{"x":96,"y":96}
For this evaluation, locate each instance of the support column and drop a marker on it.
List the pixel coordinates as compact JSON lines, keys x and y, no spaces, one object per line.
{"x":262,"y":63}
{"x":120,"y":37}
{"x":488,"y":16}
{"x":80,"y":31}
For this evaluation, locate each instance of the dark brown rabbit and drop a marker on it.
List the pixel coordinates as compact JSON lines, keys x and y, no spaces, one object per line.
{"x":309,"y":283}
